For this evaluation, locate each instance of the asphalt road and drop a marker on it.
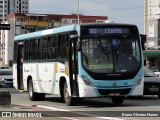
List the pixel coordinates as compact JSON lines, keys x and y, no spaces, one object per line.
{"x":97,"y":107}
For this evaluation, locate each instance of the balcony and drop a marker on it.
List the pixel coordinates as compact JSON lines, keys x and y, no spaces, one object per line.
{"x":35,"y":23}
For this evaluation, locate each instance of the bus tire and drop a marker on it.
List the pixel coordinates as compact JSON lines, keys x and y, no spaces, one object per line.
{"x":117,"y":100}
{"x":67,"y":99}
{"x":33,"y":96}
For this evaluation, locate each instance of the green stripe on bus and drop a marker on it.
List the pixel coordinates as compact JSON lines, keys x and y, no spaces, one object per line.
{"x":103,"y":66}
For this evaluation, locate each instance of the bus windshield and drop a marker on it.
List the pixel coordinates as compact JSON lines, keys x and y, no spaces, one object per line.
{"x":111,"y":54}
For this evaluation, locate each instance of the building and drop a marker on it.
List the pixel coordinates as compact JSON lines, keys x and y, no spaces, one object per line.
{"x":26,"y":23}
{"x":152,"y":30}
{"x":18,"y":6}
{"x":4,"y":9}
{"x":152,"y":9}
{"x":153,"y":33}
{"x":13,"y":6}
{"x":151,"y":22}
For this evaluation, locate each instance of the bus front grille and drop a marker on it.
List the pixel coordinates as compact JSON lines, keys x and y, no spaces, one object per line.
{"x":110,"y":91}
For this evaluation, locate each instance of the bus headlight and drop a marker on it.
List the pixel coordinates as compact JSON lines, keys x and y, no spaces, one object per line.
{"x":138,"y":82}
{"x":87,"y":81}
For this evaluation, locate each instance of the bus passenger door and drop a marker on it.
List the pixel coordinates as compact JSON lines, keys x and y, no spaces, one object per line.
{"x":73,"y":67}
{"x":20,"y":67}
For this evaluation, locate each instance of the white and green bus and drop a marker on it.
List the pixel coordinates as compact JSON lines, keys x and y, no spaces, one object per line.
{"x":80,"y":61}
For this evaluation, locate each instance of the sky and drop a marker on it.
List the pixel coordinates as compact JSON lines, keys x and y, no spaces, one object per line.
{"x":119,"y":11}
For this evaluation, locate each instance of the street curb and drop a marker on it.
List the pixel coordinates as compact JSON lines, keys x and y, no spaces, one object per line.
{"x":5,"y":97}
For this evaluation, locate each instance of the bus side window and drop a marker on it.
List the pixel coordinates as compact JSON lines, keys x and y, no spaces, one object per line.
{"x":53,"y":45}
{"x":48,"y":47}
{"x":36,"y":49}
{"x":33,"y":49}
{"x":45,"y":48}
{"x":59,"y":47}
{"x":62,"y":46}
{"x":26,"y":50}
{"x":41,"y":44}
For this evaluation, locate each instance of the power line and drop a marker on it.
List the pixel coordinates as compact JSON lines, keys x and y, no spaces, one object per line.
{"x":114,"y":9}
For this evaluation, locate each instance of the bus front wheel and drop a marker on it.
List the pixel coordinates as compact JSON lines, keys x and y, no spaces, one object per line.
{"x":67,"y":98}
{"x":33,"y":96}
{"x":117,"y":100}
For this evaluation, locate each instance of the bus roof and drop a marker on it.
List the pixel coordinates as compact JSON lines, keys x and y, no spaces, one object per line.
{"x":46,"y":32}
{"x":64,"y":29}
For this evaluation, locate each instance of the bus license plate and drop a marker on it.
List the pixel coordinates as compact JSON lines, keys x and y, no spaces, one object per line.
{"x":114,"y":94}
{"x":153,"y":89}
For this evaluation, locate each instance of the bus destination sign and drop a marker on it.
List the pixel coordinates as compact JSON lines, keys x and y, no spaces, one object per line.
{"x":108,"y":30}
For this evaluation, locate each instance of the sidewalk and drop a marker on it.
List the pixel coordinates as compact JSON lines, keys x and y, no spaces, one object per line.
{"x":7,"y":108}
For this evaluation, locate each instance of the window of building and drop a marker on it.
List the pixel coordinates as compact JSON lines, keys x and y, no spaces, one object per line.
{"x":74,"y":21}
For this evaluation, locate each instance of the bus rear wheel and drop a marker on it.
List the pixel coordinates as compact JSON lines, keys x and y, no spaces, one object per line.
{"x":67,"y":98}
{"x":117,"y":100}
{"x":33,"y":96}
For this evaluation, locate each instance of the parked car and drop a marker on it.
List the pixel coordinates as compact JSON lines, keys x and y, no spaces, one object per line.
{"x":6,"y":77}
{"x":151,"y":83}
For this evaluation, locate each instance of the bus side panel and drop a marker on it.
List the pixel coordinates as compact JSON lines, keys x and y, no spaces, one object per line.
{"x":58,"y":74}
{"x":45,"y":76}
{"x":29,"y":69}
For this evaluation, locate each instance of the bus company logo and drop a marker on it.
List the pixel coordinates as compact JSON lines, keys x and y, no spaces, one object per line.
{"x":114,"y":84}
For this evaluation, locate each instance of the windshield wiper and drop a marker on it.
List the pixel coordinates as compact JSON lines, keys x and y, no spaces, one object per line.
{"x":105,"y":49}
{"x":121,"y":45}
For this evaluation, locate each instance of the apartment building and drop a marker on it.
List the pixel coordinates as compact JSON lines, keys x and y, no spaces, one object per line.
{"x":153,"y":9}
{"x":152,"y":22}
{"x":4,"y":9}
{"x":19,"y":6}
{"x":13,"y":6}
